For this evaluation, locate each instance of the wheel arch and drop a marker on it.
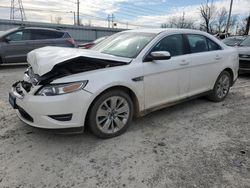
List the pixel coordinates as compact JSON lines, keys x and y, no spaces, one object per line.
{"x":126,"y":89}
{"x":230,"y":71}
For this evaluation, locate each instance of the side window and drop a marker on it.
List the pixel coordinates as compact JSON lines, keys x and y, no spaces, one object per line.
{"x":173,"y":44}
{"x":26,"y":35}
{"x":45,"y":34}
{"x":66,"y":35}
{"x":17,"y":36}
{"x":212,"y":45}
{"x":197,"y":43}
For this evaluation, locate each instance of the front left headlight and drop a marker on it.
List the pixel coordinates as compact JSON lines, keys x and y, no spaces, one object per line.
{"x":60,"y":89}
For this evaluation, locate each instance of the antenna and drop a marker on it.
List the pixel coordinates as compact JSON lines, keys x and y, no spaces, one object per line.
{"x":17,"y":10}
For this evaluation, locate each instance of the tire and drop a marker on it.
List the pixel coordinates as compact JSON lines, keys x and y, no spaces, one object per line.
{"x":110,"y":114}
{"x":221,"y":87}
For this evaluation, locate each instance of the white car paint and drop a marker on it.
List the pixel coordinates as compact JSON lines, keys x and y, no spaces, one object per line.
{"x":165,"y":81}
{"x":44,"y":59}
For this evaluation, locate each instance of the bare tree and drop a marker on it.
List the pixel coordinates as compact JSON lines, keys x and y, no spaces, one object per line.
{"x":243,"y":26}
{"x":207,"y":12}
{"x":179,"y":22}
{"x":247,"y":25}
{"x":58,"y":19}
{"x":221,"y":21}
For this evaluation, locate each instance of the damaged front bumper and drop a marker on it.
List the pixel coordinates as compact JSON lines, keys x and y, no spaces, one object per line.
{"x":50,"y":112}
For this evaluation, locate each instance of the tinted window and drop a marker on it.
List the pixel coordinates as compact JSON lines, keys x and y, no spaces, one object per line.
{"x":197,"y":43}
{"x":173,"y":44}
{"x":19,"y":35}
{"x":212,"y":45}
{"x":45,"y":34}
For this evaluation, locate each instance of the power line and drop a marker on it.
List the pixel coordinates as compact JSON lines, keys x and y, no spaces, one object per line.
{"x":128,"y":12}
{"x":81,"y":14}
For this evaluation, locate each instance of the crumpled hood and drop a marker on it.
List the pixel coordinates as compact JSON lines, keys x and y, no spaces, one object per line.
{"x":43,"y":60}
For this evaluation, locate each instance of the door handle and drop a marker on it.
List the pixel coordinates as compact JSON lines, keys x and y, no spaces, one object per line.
{"x":183,"y":63}
{"x":217,"y":57}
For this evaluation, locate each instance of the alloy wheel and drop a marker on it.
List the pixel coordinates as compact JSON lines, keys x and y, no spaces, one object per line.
{"x":112,"y":115}
{"x":223,"y":86}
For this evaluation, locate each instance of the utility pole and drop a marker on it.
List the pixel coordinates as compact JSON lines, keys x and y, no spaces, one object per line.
{"x":108,"y":21}
{"x":112,"y":20}
{"x":78,"y":17}
{"x":17,"y":10}
{"x":229,"y":16}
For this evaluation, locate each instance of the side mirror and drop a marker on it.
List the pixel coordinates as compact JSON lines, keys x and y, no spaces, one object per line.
{"x":158,"y":55}
{"x":7,"y":39}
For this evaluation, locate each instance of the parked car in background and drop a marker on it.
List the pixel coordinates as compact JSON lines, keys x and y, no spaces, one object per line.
{"x":233,"y":41}
{"x":16,"y":43}
{"x":88,"y":45}
{"x":244,"y":55}
{"x":130,"y":74}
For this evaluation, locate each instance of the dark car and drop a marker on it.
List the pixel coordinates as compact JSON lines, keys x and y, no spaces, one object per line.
{"x":233,"y":41}
{"x":16,"y":43}
{"x":244,"y":55}
{"x":91,"y":44}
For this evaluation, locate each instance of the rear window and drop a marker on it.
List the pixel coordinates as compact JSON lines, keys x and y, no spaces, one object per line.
{"x":45,"y":34}
{"x":197,"y":43}
{"x":66,"y":35}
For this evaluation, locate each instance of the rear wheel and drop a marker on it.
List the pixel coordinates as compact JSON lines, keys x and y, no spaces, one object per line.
{"x":221,"y":87}
{"x":110,"y":114}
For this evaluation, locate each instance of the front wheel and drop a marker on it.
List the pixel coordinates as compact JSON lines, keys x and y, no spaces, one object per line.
{"x":221,"y":87}
{"x":110,"y":114}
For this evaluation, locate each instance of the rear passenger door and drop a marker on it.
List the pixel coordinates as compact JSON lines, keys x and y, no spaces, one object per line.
{"x":42,"y":38}
{"x":204,"y":58}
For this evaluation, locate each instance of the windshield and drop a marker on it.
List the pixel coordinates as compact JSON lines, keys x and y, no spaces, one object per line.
{"x":245,"y":42}
{"x":126,"y":44}
{"x":232,"y":41}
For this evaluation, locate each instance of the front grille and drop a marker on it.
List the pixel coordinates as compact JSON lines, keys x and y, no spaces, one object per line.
{"x":25,"y":115}
{"x":244,"y":64}
{"x":244,"y":56}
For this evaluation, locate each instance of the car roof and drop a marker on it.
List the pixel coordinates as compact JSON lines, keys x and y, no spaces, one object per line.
{"x":41,"y":28}
{"x":166,"y":30}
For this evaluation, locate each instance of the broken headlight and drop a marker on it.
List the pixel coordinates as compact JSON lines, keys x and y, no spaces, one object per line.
{"x":60,"y":89}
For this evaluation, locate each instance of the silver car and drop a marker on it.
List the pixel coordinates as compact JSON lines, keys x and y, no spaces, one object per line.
{"x":16,"y":43}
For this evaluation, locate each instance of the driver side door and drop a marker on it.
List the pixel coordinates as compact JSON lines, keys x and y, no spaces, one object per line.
{"x":166,"y":81}
{"x":16,"y":47}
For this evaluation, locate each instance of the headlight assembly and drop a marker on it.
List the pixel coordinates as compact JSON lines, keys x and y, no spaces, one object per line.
{"x":60,"y":89}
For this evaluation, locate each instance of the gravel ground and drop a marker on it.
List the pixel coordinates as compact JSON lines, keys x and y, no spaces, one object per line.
{"x":193,"y":144}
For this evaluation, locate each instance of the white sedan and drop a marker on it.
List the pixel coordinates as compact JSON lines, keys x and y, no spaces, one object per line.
{"x":128,"y":74}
